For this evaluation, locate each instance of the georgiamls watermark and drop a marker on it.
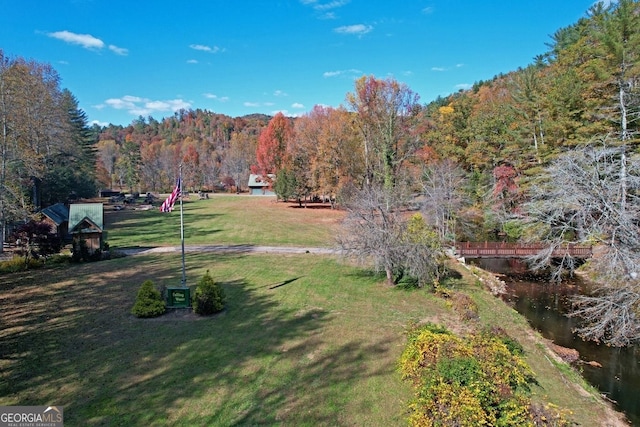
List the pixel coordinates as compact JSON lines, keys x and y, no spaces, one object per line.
{"x":31,"y":416}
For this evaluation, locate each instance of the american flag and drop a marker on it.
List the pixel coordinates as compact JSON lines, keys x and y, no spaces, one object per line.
{"x":167,"y":205}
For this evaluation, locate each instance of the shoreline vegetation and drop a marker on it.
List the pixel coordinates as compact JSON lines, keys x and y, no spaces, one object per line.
{"x":305,"y":339}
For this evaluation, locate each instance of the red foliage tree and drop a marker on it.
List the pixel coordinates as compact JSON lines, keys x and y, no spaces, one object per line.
{"x":272,"y":144}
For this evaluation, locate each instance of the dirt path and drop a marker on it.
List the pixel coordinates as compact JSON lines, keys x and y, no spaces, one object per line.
{"x":231,"y":249}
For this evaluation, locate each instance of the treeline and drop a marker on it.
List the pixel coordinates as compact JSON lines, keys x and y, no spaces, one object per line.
{"x":215,"y":151}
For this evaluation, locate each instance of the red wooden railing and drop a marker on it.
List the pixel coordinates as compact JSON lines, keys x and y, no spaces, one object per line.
{"x":517,"y":250}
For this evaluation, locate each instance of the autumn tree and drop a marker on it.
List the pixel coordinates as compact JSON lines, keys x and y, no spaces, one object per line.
{"x":192,"y":177}
{"x":43,"y":138}
{"x":527,"y":95}
{"x":12,"y":201}
{"x":332,"y":146}
{"x":386,"y":114}
{"x":272,"y":144}
{"x":156,"y":166}
{"x":238,"y":158}
{"x":486,"y":123}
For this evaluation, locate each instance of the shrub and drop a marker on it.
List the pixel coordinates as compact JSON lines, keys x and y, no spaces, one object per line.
{"x":149,"y":302}
{"x":59,"y":259}
{"x":35,"y":240}
{"x":476,"y":380}
{"x":208,"y":297}
{"x":80,"y":251}
{"x":17,"y":263}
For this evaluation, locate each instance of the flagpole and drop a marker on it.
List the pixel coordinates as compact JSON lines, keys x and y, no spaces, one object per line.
{"x":184,"y":274}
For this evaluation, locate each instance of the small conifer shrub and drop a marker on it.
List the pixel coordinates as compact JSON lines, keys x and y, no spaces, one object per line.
{"x":208,"y":298}
{"x":149,"y":302}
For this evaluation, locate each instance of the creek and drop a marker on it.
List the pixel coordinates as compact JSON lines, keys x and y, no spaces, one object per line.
{"x":545,"y":305}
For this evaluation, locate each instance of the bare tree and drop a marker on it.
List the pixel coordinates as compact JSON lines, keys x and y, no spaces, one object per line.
{"x":591,"y":195}
{"x":376,"y":231}
{"x":442,"y":185}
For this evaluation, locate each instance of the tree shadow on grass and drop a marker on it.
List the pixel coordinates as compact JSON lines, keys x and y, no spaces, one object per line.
{"x":69,"y":340}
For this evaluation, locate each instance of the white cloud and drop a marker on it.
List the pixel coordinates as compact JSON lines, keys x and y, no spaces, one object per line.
{"x":99,"y":123}
{"x":285,"y":113}
{"x":337,"y":73}
{"x":85,"y":40}
{"x":427,"y":10}
{"x":192,"y":61}
{"x":325,"y":10}
{"x":297,"y":105}
{"x":138,"y":106}
{"x":440,"y":69}
{"x":330,"y":5}
{"x":252,"y":104}
{"x":280,"y":93}
{"x":216,"y":97}
{"x":331,"y":73}
{"x":205,"y":48}
{"x":118,"y":50}
{"x":358,"y":29}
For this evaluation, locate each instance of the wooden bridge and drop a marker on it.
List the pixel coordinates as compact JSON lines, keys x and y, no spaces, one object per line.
{"x":516,"y":250}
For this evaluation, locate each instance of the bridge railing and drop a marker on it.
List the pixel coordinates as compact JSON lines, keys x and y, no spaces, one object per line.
{"x":517,"y":250}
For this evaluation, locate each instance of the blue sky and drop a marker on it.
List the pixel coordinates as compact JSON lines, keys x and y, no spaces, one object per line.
{"x":125,"y":59}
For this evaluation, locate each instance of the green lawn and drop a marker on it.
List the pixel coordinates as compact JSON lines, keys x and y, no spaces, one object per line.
{"x":305,"y":340}
{"x":226,"y":219}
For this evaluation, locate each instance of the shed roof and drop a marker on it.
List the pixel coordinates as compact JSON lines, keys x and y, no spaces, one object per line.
{"x":78,"y":212}
{"x":57,"y":213}
{"x":259,"y":181}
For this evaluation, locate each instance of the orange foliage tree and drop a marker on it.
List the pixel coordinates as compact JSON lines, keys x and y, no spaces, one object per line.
{"x":272,"y":144}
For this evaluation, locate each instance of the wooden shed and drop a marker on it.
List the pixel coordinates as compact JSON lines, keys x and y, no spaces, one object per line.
{"x":86,"y":222}
{"x":259,"y":186}
{"x":58,"y":217}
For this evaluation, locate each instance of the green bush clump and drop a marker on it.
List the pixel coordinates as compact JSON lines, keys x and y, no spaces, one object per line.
{"x":149,"y":302}
{"x":208,"y":298}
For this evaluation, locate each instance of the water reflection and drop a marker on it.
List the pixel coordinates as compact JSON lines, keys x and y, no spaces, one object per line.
{"x":545,"y":306}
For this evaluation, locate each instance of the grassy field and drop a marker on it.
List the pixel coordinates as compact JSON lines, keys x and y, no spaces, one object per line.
{"x":305,"y":340}
{"x":226,"y":219}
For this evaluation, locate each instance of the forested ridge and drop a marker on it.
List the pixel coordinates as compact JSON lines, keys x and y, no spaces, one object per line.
{"x":547,"y":152}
